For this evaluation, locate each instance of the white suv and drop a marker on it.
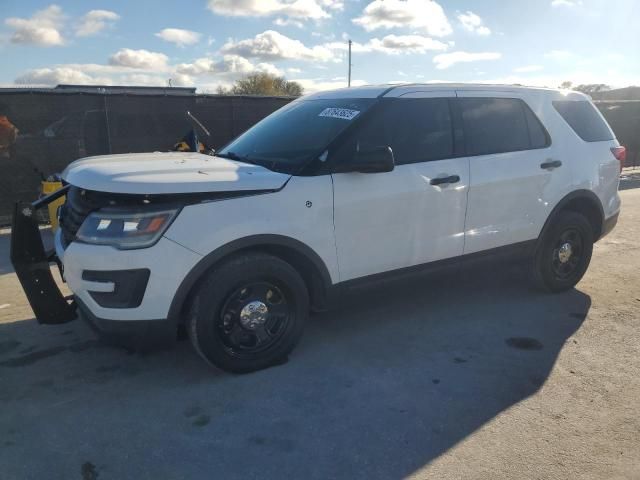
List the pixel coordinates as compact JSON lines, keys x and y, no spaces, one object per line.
{"x":333,"y":189}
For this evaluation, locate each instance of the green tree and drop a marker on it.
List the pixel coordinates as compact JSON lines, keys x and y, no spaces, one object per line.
{"x":263,"y":84}
{"x":592,"y":88}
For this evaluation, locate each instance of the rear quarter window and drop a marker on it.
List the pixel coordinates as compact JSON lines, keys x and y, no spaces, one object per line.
{"x":584,"y":119}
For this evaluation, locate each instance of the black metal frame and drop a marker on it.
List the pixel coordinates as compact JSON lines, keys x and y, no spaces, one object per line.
{"x":32,"y":264}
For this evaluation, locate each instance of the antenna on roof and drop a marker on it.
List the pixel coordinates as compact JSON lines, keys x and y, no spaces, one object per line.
{"x":349,"y":75}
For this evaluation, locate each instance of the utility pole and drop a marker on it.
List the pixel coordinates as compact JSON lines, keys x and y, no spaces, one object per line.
{"x":349,"y":77}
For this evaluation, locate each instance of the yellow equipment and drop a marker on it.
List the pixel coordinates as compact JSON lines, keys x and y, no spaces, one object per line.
{"x":47,"y":188}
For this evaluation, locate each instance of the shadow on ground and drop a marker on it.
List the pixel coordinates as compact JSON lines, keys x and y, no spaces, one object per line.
{"x":377,"y":389}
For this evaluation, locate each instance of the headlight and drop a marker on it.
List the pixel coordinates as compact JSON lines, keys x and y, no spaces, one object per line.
{"x":125,"y":230}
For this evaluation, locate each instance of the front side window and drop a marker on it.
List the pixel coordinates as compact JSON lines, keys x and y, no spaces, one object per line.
{"x":296,"y":134}
{"x":416,"y":129}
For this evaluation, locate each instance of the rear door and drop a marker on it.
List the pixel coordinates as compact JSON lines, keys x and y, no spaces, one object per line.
{"x":414,"y":214}
{"x":515,"y":171}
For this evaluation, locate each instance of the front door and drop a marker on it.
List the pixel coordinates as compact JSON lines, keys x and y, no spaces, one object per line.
{"x":414,"y":214}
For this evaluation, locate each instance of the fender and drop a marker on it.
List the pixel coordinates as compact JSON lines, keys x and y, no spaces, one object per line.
{"x":265,"y":242}
{"x":585,"y":195}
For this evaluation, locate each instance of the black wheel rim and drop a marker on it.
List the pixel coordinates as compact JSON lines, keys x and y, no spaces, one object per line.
{"x":253,"y":318}
{"x":568,"y":253}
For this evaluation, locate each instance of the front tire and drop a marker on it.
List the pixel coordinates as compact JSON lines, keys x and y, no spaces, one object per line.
{"x":248,"y":313}
{"x":564,"y":252}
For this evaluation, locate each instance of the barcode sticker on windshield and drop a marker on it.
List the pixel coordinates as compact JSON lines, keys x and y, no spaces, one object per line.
{"x":343,"y":113}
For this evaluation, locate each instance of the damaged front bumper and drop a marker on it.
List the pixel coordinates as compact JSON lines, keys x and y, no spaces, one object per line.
{"x":32,"y":264}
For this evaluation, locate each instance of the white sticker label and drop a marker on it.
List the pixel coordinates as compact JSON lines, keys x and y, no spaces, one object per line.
{"x":343,"y":113}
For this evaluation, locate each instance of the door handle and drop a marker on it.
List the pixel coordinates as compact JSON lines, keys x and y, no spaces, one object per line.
{"x":443,"y":180}
{"x":551,"y":164}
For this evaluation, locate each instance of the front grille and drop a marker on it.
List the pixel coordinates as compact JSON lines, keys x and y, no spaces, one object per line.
{"x":77,"y":207}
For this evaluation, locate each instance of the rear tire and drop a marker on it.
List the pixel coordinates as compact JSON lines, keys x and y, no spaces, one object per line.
{"x":248,"y":313}
{"x":564,"y":252}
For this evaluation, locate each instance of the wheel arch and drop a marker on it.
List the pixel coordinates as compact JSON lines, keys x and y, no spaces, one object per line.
{"x":300,"y":256}
{"x":584,"y":202}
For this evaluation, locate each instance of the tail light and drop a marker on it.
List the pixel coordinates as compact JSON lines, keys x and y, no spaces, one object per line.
{"x":621,"y":155}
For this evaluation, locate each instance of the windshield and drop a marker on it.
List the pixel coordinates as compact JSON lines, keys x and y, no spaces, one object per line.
{"x":289,"y":138}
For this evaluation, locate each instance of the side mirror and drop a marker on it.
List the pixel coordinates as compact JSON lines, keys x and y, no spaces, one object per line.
{"x":372,"y":160}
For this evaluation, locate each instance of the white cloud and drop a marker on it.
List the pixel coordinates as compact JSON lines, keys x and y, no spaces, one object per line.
{"x":178,"y":36}
{"x":59,"y":75}
{"x":288,"y":22}
{"x":300,"y":9}
{"x":393,"y":45}
{"x":140,"y":59}
{"x":446,"y":60}
{"x":271,"y":45}
{"x":269,"y":68}
{"x":229,"y":64}
{"x":94,"y":69}
{"x":199,"y":66}
{"x":332,"y":4}
{"x":42,"y":29}
{"x":426,"y":15}
{"x":324,"y":36}
{"x":293,"y":70}
{"x":473,"y":23}
{"x":234,"y":64}
{"x":566,"y":3}
{"x":95,"y":21}
{"x":224,"y":71}
{"x":138,"y":79}
{"x":312,"y":85}
{"x":529,"y":68}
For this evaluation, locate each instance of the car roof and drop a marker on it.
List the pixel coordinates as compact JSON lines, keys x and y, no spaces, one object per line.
{"x":395,"y":90}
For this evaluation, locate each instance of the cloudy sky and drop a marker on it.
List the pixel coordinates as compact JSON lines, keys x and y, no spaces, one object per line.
{"x":206,"y":43}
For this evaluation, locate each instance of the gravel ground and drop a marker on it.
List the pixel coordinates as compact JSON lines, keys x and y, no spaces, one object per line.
{"x":467,"y":374}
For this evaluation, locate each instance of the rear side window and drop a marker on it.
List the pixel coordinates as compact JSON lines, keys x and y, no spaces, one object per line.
{"x":499,"y":125}
{"x":584,"y":119}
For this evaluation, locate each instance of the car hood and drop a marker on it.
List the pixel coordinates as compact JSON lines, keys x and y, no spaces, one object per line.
{"x":169,"y":172}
